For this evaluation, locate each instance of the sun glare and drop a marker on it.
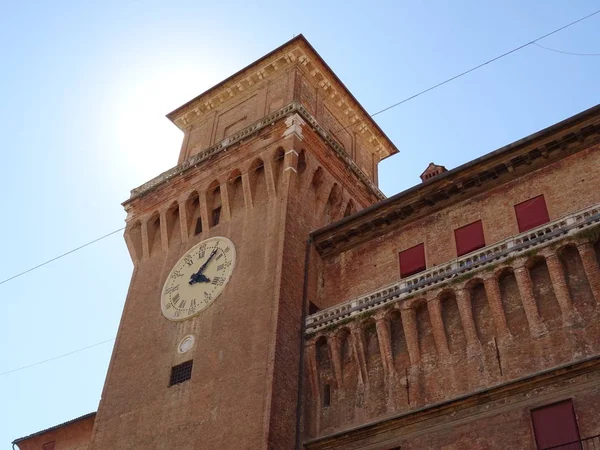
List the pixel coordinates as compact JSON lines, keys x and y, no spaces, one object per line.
{"x":148,"y":143}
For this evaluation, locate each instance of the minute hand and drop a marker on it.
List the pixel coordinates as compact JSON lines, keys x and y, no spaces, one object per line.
{"x":196,"y":277}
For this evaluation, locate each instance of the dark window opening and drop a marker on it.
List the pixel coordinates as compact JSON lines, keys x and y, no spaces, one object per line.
{"x":531,"y":213}
{"x":326,"y":395}
{"x":216,"y":215}
{"x":469,"y":238}
{"x":49,"y":445}
{"x":180,"y":373}
{"x":412,"y":260}
{"x":312,"y":308}
{"x":556,"y":425}
{"x":198,"y":228}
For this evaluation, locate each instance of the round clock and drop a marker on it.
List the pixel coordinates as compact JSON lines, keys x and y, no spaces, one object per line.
{"x":198,"y":278}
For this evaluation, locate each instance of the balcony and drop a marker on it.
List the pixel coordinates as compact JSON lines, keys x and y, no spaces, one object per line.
{"x":505,"y":251}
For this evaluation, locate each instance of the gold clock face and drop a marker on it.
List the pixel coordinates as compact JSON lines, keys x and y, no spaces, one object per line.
{"x":198,"y":278}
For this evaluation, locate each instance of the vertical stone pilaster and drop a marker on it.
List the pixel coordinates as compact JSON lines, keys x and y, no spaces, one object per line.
{"x":359,"y":352}
{"x":164,"y":232}
{"x":494,"y":298}
{"x":145,"y":243}
{"x":269,"y":178}
{"x":385,"y":344}
{"x":311,"y":367}
{"x":183,"y":222}
{"x":559,"y":284}
{"x":409,"y":325}
{"x":590,"y":267}
{"x":225,"y":206}
{"x":247,"y":191}
{"x":434,"y":307}
{"x":465,"y":309}
{"x":528,"y":300}
{"x":336,"y":360}
{"x":205,"y":214}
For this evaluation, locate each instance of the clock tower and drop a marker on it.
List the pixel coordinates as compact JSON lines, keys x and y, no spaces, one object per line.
{"x":208,"y":350}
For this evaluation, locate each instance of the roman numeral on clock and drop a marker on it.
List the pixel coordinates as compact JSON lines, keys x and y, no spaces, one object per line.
{"x":175,"y":299}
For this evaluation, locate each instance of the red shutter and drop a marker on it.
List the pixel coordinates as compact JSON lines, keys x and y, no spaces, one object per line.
{"x":532,"y":213}
{"x":556,"y":425}
{"x":412,"y":260}
{"x":469,"y":238}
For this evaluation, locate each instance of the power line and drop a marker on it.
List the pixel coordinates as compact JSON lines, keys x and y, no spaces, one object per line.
{"x":56,"y":357}
{"x":533,"y":42}
{"x":516,"y":49}
{"x":61,"y":256}
{"x":566,"y":53}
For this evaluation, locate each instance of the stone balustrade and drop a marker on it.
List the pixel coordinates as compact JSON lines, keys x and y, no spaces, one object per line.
{"x":465,"y":266}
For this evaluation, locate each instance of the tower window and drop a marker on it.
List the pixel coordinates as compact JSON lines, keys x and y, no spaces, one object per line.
{"x":531,"y":213}
{"x":327,"y":395}
{"x":181,"y":372}
{"x":469,"y":238}
{"x":412,"y":260}
{"x":216,"y":215}
{"x":198,"y":228}
{"x":49,"y":445}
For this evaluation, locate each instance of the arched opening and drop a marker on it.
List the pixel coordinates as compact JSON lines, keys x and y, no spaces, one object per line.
{"x":511,"y":302}
{"x":350,"y":208}
{"x":154,"y":238}
{"x":301,"y":162}
{"x":236,"y":193}
{"x":543,"y":291}
{"x":399,"y":348}
{"x":333,"y":203}
{"x":135,"y":236}
{"x":192,"y":210}
{"x":258,"y":182}
{"x":484,"y":322}
{"x":451,"y":317}
{"x":424,"y":331}
{"x":577,"y":282}
{"x":173,"y":225}
{"x":213,"y":202}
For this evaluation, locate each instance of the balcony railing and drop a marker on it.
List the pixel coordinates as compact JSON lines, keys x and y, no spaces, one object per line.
{"x":590,"y":443}
{"x":512,"y":247}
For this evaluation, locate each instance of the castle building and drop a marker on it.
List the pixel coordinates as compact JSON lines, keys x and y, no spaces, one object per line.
{"x":280,"y":301}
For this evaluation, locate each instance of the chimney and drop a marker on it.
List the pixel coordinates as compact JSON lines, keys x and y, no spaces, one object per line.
{"x":432,"y":171}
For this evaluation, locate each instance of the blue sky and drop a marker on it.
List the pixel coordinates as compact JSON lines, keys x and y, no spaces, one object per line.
{"x":84,"y":89}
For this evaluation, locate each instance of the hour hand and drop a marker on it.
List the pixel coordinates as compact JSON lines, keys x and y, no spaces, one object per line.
{"x":198,"y":278}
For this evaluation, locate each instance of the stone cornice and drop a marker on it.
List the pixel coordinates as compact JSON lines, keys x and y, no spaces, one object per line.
{"x":467,"y":265}
{"x":503,"y":165}
{"x":245,"y":133}
{"x":297,"y":51}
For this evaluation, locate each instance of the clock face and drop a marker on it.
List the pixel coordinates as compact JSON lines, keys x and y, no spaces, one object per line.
{"x":198,"y":278}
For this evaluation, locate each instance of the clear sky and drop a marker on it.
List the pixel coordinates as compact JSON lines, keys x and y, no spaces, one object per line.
{"x":84,"y":89}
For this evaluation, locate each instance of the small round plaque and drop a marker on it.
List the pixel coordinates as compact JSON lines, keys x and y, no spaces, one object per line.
{"x":186,"y":344}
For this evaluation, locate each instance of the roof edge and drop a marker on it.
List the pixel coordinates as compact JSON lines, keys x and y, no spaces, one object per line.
{"x":441,"y":178}
{"x":68,"y":422}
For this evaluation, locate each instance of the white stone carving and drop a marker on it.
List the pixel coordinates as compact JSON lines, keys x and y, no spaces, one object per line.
{"x":294,"y":125}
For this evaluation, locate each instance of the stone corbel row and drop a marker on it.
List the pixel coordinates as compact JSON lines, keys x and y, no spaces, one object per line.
{"x":463,"y":298}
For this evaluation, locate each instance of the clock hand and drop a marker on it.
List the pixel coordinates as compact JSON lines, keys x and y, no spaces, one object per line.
{"x":198,"y":277}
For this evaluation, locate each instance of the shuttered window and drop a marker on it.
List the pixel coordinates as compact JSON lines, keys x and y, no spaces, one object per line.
{"x":469,"y":238}
{"x":412,"y":260}
{"x":532,"y":213}
{"x":556,"y":425}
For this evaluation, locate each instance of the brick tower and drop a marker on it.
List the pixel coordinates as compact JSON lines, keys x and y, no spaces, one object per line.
{"x":275,"y":151}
